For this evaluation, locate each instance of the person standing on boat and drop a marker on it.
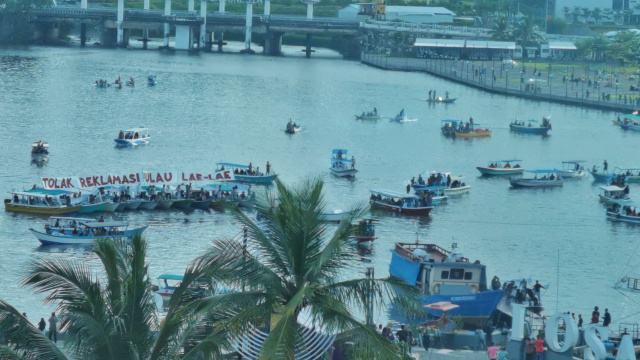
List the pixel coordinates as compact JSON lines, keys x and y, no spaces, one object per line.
{"x":595,"y":316}
{"x":605,"y":165}
{"x":446,"y":94}
{"x":580,"y":321}
{"x":408,"y":188}
{"x":606,"y":318}
{"x":268,"y":168}
{"x":536,"y":290}
{"x":430,"y":94}
{"x":353,"y":162}
{"x":375,"y":111}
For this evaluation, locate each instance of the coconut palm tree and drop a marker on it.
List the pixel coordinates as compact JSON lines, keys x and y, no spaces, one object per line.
{"x":597,"y":15}
{"x":111,"y":319}
{"x":526,"y":32}
{"x":567,"y":13}
{"x":502,"y":29}
{"x":292,"y":266}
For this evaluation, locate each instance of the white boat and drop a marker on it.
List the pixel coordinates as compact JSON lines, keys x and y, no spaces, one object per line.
{"x":336,"y":215}
{"x":571,"y":169}
{"x":149,"y":204}
{"x":400,"y":203}
{"x":86,"y":232}
{"x":40,"y":152}
{"x":457,"y":186}
{"x":292,"y":128}
{"x":133,"y":137}
{"x":612,"y":194}
{"x":57,"y":223}
{"x":549,"y":179}
{"x":341,"y":166}
{"x":402,"y":117}
{"x":111,"y":207}
{"x":40,"y":201}
{"x":433,"y":194}
{"x":165,"y":204}
{"x":624,"y":213}
{"x":244,"y":173}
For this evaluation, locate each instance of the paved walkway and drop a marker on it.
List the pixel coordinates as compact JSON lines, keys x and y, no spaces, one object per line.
{"x":569,"y":84}
{"x":446,"y":354}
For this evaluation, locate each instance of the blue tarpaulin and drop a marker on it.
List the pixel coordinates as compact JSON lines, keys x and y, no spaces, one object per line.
{"x":405,"y":269}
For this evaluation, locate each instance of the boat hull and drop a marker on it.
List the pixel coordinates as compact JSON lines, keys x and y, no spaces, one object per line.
{"x":264,"y":179}
{"x":445,"y":101}
{"x":182,"y":203}
{"x":530,"y":130}
{"x":499,"y":171}
{"x":165,"y":204}
{"x":86,"y":209}
{"x":619,"y":217}
{"x":344,"y":172}
{"x":336,"y":217}
{"x":57,"y":239}
{"x":148,"y":205}
{"x":630,"y":127}
{"x":569,"y":174}
{"x":202,"y":205}
{"x":459,"y":190}
{"x":131,"y":142}
{"x":600,"y":176}
{"x":360,"y":117}
{"x":530,"y":183}
{"x":608,"y":200}
{"x":420,"y":211}
{"x":121,"y":206}
{"x":474,"y":308}
{"x":40,"y":210}
{"x":39,"y":157}
{"x":473,"y":134}
{"x":293,"y":131}
{"x":133,"y":204}
{"x":111,"y":207}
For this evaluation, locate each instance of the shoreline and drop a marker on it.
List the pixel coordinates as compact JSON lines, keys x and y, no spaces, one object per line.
{"x":527,"y":87}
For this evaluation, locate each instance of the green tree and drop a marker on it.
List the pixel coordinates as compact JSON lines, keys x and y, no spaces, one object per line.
{"x":627,"y":13}
{"x":576,"y":13}
{"x":608,"y":14}
{"x":502,"y":29}
{"x":567,"y":13}
{"x":586,"y":13}
{"x":597,"y":15}
{"x":526,"y":32}
{"x":291,"y":266}
{"x":556,"y":26}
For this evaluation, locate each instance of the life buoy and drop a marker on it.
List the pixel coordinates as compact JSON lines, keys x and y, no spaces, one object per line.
{"x":436,"y":289}
{"x":474,"y":289}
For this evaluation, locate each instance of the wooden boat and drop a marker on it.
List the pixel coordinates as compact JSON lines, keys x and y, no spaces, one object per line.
{"x":373,"y":115}
{"x":441,"y":100}
{"x":364,"y":231}
{"x":448,"y":127}
{"x":400,"y":203}
{"x":501,"y":167}
{"x":341,"y":166}
{"x":336,"y":215}
{"x":549,"y":179}
{"x":40,"y":201}
{"x":471,"y":131}
{"x":612,"y":194}
{"x":571,"y":169}
{"x":133,"y":137}
{"x":86,"y":233}
{"x":532,"y":126}
{"x":246,"y":173}
{"x":624,"y":213}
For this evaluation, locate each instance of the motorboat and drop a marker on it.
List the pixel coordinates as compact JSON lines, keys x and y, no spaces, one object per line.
{"x":448,"y":127}
{"x":247,"y":173}
{"x":457,"y":186}
{"x":441,"y":275}
{"x":400,"y":203}
{"x":625,"y":213}
{"x":548,"y":179}
{"x":627,"y":175}
{"x":600,"y":176}
{"x":86,"y":232}
{"x":571,"y":169}
{"x":471,"y":130}
{"x":364,"y":231}
{"x":292,"y":128}
{"x":133,"y":137}
{"x":612,"y":194}
{"x":40,"y":152}
{"x":402,"y":117}
{"x":101,"y":84}
{"x":40,"y":201}
{"x":501,"y":167}
{"x":167,"y":285}
{"x":433,"y":194}
{"x":151,"y":80}
{"x":532,"y":126}
{"x":441,"y":100}
{"x":341,"y":165}
{"x":373,"y":115}
{"x":336,"y":215}
{"x":630,"y":122}
{"x":66,"y":223}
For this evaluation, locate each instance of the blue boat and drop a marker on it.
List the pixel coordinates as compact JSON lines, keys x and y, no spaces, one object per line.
{"x":247,"y":173}
{"x":133,"y":137}
{"x":600,"y":176}
{"x":501,"y":167}
{"x":630,"y":122}
{"x":532,"y":127}
{"x":442,"y":275}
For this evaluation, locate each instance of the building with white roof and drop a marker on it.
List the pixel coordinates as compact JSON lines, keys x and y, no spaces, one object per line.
{"x":410,"y":14}
{"x":557,"y":49}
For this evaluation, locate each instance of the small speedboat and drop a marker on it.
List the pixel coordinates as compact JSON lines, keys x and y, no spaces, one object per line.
{"x":341,"y":165}
{"x":532,"y":126}
{"x":133,"y":137}
{"x":625,"y":213}
{"x":151,"y":80}
{"x":441,"y":100}
{"x":449,"y":127}
{"x":336,"y":215}
{"x":571,"y":169}
{"x":612,"y":194}
{"x":244,"y":173}
{"x":292,"y":128}
{"x":402,"y":117}
{"x":501,"y":167}
{"x":39,"y":152}
{"x":549,"y":179}
{"x":457,"y":186}
{"x":400,"y":203}
{"x":365,"y":231}
{"x":86,"y":232}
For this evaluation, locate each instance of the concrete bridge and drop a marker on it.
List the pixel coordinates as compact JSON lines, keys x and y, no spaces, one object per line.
{"x":116,"y":24}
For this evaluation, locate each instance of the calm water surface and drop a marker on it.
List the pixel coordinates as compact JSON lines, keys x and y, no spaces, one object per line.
{"x":222,"y":107}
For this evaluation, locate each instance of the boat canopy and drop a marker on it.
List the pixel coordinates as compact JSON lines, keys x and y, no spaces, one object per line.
{"x":434,"y":187}
{"x":44,"y":191}
{"x":632,"y":117}
{"x":574,"y":162}
{"x":621,"y":169}
{"x":612,"y":188}
{"x":540,"y":171}
{"x":499,"y":161}
{"x":223,"y":187}
{"x":238,"y":166}
{"x":392,"y":194}
{"x":138,"y":129}
{"x":97,"y":224}
{"x":336,"y":151}
{"x":38,"y":194}
{"x":451,"y":121}
{"x":170,"y":277}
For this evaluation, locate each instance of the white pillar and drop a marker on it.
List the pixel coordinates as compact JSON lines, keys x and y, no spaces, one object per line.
{"x":249,"y":25}
{"x":83,"y":4}
{"x":146,"y":4}
{"x":192,"y":6}
{"x":119,"y":21}
{"x":203,"y":27}
{"x":167,"y":30}
{"x":267,"y":7}
{"x":309,"y":10}
{"x":145,"y":32}
{"x":221,"y":8}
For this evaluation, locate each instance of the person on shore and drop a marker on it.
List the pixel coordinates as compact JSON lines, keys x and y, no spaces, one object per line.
{"x":53,"y":331}
{"x":530,"y":349}
{"x":492,"y":351}
{"x":426,"y":340}
{"x":482,"y":343}
{"x":489,"y":332}
{"x":580,"y":321}
{"x":606,"y":318}
{"x":539,"y":348}
{"x":402,"y":334}
{"x":595,"y":316}
{"x":387,"y":333}
{"x":42,"y":325}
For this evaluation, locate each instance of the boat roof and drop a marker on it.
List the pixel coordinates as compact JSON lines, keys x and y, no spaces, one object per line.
{"x":506,"y":160}
{"x":624,"y":169}
{"x":632,"y":117}
{"x":540,"y":171}
{"x":44,"y":144}
{"x":171,"y":277}
{"x":40,"y":192}
{"x":138,"y":129}
{"x":335,"y":151}
{"x":233,"y":165}
{"x":434,"y":187}
{"x":97,"y":224}
{"x":574,"y":161}
{"x":71,"y":218}
{"x":452,"y":121}
{"x":611,"y":188}
{"x":393,"y":194}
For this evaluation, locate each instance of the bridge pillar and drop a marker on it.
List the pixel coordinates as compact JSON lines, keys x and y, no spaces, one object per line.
{"x":83,"y":4}
{"x":145,"y":32}
{"x":191,"y":6}
{"x":248,"y":30}
{"x":83,"y":34}
{"x":184,"y":37}
{"x":220,"y":41}
{"x":267,"y":7}
{"x":307,"y":48}
{"x":119,"y":21}
{"x":221,"y":6}
{"x":310,"y":4}
{"x":167,"y":29}
{"x":273,"y":43}
{"x":108,"y":37}
{"x":203,"y":27}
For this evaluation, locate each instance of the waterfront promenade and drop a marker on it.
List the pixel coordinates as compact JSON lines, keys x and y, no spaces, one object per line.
{"x":562,"y":83}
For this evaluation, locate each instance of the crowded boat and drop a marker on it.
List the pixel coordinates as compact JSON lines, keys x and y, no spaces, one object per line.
{"x":341,"y":165}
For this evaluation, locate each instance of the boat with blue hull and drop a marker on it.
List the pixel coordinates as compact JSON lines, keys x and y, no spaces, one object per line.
{"x":247,"y":173}
{"x":442,"y":275}
{"x":600,"y":176}
{"x":501,"y":167}
{"x":532,"y":126}
{"x":133,"y":137}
